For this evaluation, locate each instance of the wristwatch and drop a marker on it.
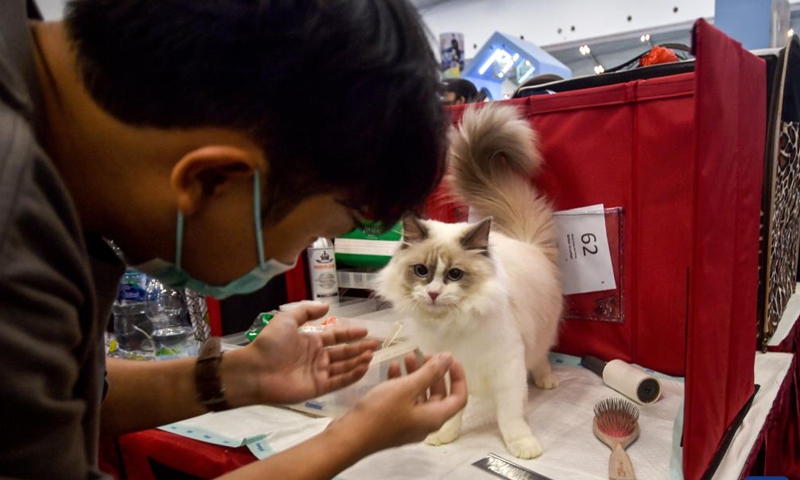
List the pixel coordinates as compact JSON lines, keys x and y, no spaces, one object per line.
{"x":210,"y":390}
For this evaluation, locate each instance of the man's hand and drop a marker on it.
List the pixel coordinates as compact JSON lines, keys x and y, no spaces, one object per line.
{"x":406,"y":408}
{"x":283,"y":365}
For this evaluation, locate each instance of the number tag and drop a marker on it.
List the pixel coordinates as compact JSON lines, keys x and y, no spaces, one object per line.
{"x":584,"y":258}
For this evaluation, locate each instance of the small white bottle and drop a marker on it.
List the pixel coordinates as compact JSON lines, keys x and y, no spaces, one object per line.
{"x":322,"y":271}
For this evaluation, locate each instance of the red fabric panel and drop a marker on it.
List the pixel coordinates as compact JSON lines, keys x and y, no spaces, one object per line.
{"x":108,"y":459}
{"x":184,"y":454}
{"x":441,"y":206}
{"x":777,"y":448}
{"x":296,"y":281}
{"x":585,"y":138}
{"x":661,"y":220}
{"x":782,"y":442}
{"x":626,"y":146}
{"x":214,"y":316}
{"x":731,"y":121}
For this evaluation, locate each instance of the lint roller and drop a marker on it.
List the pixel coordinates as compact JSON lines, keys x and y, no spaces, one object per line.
{"x":626,"y":379}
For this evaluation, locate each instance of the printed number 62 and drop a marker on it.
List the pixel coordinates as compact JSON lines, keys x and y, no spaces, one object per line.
{"x":588,"y":238}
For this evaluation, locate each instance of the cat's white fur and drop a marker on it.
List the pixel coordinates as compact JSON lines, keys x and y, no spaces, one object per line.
{"x":501,"y":318}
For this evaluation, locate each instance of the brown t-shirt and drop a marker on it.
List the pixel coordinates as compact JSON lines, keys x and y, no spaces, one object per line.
{"x":56,"y":289}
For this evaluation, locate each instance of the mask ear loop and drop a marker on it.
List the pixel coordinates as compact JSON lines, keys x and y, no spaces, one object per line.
{"x":256,"y":221}
{"x":257,"y":218}
{"x":179,"y":240}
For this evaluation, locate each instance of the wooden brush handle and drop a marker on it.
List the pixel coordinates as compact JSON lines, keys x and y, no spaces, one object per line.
{"x":619,"y":465}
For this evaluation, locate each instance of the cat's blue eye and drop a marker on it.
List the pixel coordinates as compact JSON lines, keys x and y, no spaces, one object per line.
{"x":420,"y":270}
{"x":455,"y":274}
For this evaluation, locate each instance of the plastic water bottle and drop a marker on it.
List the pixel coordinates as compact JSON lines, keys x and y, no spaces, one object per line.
{"x":322,"y":271}
{"x":132,"y":328}
{"x":173,"y":333}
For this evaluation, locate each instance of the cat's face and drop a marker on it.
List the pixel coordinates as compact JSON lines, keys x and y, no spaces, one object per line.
{"x":441,"y":268}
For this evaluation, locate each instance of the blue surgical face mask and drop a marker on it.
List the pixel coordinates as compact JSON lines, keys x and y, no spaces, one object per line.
{"x":174,"y":276}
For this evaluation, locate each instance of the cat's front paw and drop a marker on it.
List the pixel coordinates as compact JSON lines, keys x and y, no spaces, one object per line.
{"x":547,"y":381}
{"x":441,"y":437}
{"x":525,"y":447}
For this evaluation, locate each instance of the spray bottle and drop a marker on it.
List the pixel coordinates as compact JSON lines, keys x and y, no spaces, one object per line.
{"x":322,"y":271}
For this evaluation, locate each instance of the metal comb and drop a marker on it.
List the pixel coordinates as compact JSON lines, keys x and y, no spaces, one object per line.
{"x":502,"y":468}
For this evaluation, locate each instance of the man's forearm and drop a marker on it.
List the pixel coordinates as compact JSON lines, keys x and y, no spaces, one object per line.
{"x":143,"y":395}
{"x":322,"y":457}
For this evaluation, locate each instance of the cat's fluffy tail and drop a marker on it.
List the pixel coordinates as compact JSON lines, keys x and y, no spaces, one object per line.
{"x":493,"y":155}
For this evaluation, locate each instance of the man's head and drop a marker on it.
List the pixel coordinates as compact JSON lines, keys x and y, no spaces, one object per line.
{"x":458,"y":91}
{"x":340,"y":93}
{"x":340,"y":96}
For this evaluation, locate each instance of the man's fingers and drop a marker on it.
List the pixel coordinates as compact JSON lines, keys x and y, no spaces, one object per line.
{"x":344,"y":366}
{"x":411,"y":363}
{"x":458,"y":381}
{"x":345,"y":351}
{"x":340,"y":381}
{"x":440,"y":408}
{"x":429,"y":373}
{"x":308,"y":310}
{"x":332,"y":336}
{"x":439,"y":388}
{"x":394,"y":370}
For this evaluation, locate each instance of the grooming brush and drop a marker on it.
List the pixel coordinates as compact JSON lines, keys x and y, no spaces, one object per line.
{"x":616,"y":423}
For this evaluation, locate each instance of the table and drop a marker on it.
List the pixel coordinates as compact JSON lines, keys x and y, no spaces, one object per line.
{"x":767,"y":443}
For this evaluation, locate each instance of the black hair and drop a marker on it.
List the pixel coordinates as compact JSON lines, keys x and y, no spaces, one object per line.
{"x":462,"y":88}
{"x":341,"y":94}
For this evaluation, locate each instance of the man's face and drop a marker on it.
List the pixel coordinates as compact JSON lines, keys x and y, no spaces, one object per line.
{"x":314,"y":217}
{"x":226,"y":249}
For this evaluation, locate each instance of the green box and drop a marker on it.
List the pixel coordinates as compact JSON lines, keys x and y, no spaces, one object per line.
{"x":368,"y":247}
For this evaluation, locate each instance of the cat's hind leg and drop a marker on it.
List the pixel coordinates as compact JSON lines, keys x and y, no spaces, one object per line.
{"x":541,"y":373}
{"x":448,"y":432}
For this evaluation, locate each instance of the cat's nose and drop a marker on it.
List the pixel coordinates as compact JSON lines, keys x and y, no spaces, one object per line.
{"x":433,"y":295}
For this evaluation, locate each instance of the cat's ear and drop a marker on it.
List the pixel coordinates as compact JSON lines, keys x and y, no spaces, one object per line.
{"x":477,"y":236}
{"x":413,"y":230}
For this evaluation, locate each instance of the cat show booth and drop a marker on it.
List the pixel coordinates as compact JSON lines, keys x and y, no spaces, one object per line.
{"x":676,"y":156}
{"x":678,"y":161}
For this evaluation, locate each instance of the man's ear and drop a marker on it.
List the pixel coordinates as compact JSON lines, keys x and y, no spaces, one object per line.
{"x":208,"y":171}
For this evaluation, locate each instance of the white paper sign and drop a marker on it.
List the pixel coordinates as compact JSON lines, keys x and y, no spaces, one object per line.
{"x":584,"y":257}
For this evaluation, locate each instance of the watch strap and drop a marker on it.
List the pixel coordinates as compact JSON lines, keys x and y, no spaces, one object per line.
{"x":210,"y":389}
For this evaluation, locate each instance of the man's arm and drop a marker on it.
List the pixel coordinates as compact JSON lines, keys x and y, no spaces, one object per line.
{"x":280,"y":366}
{"x":148,"y":394}
{"x":394,"y":413}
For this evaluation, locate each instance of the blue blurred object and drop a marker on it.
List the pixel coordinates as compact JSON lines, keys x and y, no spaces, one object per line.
{"x":505,"y":57}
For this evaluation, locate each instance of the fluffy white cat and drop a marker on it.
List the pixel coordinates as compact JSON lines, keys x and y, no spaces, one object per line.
{"x":488,"y":292}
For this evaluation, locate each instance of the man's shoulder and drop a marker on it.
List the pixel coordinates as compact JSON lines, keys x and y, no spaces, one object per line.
{"x":17,"y":67}
{"x":31,"y":190}
{"x":17,"y":145}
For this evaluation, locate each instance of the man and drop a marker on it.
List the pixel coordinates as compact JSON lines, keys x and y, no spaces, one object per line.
{"x":458,"y":91}
{"x":192,"y":134}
